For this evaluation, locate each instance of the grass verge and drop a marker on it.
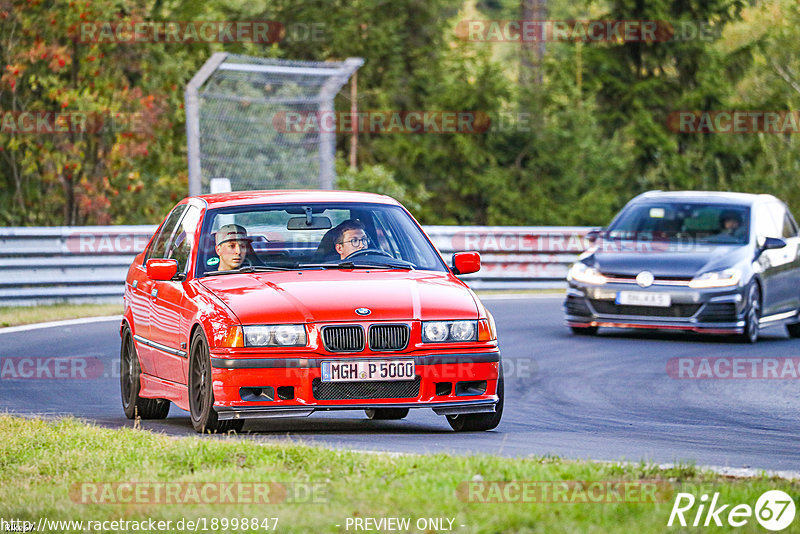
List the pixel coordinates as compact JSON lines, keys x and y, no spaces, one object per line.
{"x":15,"y":316}
{"x":60,"y":469}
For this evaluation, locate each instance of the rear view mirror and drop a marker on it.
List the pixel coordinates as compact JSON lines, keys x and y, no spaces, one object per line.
{"x":466,"y":262}
{"x":308,"y":223}
{"x":161,"y":269}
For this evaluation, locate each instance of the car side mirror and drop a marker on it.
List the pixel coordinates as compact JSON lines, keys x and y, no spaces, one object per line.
{"x":161,"y":269}
{"x":770,"y":243}
{"x":466,"y":262}
{"x":594,"y":234}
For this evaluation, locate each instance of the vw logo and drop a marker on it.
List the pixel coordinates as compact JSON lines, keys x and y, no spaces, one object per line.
{"x":645,"y":279}
{"x":363,"y":311}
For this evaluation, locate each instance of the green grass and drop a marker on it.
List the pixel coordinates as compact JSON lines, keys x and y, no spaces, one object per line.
{"x":15,"y":316}
{"x":41,"y":462}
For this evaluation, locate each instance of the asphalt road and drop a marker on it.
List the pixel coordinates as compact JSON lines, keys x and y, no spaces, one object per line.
{"x":608,"y":397}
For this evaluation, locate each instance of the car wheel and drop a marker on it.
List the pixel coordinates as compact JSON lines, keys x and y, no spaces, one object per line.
{"x":201,"y":392}
{"x":584,"y":330}
{"x":130,"y":383}
{"x":793,"y":329}
{"x":480,"y":421}
{"x":386,"y":414}
{"x":752,"y":315}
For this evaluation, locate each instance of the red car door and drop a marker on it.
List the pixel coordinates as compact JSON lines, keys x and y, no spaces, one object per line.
{"x":168,"y":303}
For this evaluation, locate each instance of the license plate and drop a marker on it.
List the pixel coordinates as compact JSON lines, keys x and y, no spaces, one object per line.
{"x":642,"y":298}
{"x":360,"y":371}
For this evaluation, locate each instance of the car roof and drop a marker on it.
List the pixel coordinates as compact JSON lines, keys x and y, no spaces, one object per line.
{"x":287,"y":196}
{"x":710,"y":197}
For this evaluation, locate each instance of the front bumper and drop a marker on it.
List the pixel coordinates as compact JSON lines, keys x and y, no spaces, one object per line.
{"x":290,"y":386}
{"x":711,"y":311}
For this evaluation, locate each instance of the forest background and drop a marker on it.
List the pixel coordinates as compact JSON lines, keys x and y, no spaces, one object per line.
{"x":579,"y":127}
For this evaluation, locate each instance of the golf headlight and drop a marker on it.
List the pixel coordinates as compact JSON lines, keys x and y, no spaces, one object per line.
{"x":278,"y":335}
{"x":726,"y":278}
{"x":580,"y":272}
{"x":449,"y":331}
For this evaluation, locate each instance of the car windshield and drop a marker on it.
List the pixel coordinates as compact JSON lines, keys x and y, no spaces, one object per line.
{"x":683,"y":222}
{"x":315,"y":236}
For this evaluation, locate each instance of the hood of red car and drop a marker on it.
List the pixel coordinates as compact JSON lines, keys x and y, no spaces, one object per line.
{"x":334,"y":295}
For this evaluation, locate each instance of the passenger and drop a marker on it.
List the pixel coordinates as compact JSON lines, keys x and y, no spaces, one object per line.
{"x":351,"y":238}
{"x":232,"y":243}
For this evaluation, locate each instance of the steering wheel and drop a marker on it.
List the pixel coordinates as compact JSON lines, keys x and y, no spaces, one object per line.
{"x":365,"y":251}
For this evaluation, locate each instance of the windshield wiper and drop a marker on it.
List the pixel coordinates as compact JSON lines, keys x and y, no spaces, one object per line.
{"x":249,"y":269}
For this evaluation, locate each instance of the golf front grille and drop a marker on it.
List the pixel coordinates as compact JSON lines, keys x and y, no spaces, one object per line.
{"x":401,"y":389}
{"x":388,"y":337}
{"x":343,"y":338}
{"x":609,"y":307}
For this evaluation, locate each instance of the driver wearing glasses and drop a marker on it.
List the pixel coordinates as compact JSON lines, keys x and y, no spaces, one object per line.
{"x":351,"y":238}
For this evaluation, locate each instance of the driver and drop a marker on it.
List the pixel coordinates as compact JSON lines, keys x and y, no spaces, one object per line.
{"x":729,"y":222}
{"x":351,"y":238}
{"x":232,"y":241}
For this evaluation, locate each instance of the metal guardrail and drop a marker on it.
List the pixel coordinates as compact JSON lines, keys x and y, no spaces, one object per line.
{"x":89,"y":263}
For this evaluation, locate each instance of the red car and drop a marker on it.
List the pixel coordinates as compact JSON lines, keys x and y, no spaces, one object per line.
{"x":255,"y":305}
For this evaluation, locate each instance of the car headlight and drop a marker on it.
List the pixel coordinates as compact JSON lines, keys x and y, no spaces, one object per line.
{"x":275,"y":335}
{"x":580,"y":272}
{"x":728,"y":277}
{"x":449,"y":331}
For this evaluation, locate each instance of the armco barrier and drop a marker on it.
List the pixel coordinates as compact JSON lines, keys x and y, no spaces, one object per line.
{"x":88,"y":263}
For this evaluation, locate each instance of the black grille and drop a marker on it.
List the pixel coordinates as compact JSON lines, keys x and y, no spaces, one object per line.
{"x":607,"y":307}
{"x":406,"y":389}
{"x":343,"y":338}
{"x":577,"y":306}
{"x":718,"y":312}
{"x":388,"y":337}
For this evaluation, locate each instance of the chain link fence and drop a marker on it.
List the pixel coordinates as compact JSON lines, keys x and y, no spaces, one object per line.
{"x":235,"y":111}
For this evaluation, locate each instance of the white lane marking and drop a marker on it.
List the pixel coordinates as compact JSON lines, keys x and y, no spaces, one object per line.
{"x":54,"y":324}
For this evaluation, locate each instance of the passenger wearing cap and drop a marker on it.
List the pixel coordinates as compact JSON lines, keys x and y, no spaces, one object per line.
{"x":232,"y":243}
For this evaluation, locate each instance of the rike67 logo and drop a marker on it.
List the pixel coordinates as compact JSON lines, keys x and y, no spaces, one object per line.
{"x":774,"y":510}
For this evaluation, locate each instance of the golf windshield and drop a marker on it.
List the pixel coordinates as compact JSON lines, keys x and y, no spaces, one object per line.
{"x":682,"y":222}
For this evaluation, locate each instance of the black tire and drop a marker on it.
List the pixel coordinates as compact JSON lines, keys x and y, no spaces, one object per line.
{"x":480,"y":421}
{"x":793,"y":329}
{"x":584,"y":330}
{"x":130,"y":384}
{"x":386,"y":414}
{"x":752,"y":315}
{"x":201,"y":392}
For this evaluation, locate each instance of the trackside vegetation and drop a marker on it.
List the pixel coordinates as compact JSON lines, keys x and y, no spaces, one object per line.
{"x":65,"y":469}
{"x":20,"y":315}
{"x":573,"y":135}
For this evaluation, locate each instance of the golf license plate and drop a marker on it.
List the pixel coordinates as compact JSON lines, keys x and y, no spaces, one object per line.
{"x":368,"y":370}
{"x":642,"y":298}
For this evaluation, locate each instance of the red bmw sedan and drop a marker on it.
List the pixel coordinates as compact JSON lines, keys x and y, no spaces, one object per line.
{"x":254,"y":305}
